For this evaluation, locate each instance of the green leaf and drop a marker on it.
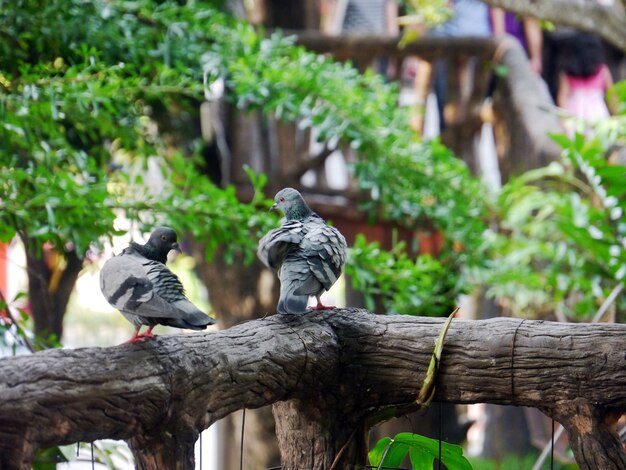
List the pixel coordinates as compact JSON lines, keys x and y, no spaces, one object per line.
{"x":420,"y":460}
{"x":387,"y":453}
{"x":422,"y":450}
{"x":377,"y":453}
{"x":20,"y":295}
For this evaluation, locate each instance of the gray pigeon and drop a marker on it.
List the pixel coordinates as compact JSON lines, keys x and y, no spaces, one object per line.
{"x":307,"y":254}
{"x":139,"y":284}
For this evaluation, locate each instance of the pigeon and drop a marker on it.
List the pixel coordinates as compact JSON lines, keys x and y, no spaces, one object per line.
{"x":307,"y":255}
{"x":139,"y":284}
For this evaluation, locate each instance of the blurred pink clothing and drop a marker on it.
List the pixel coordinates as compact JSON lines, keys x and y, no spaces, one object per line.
{"x":586,"y":97}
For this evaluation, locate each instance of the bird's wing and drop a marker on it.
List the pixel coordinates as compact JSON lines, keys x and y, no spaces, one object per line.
{"x":325,"y":251}
{"x":278,"y":243}
{"x":124,"y":282}
{"x":167,"y":287}
{"x":136,"y":285}
{"x":166,"y":283}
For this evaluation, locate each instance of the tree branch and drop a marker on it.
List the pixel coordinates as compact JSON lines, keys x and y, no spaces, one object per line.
{"x":312,"y":163}
{"x":606,"y":20}
{"x":317,"y":368}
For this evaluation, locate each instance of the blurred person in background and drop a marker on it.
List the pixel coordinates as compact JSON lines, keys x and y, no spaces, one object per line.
{"x":362,"y":17}
{"x":584,"y":78}
{"x":526,"y":30}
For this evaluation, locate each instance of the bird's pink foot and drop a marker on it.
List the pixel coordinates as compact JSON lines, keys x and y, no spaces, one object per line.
{"x":136,"y":338}
{"x":148,"y":333}
{"x":321,"y":306}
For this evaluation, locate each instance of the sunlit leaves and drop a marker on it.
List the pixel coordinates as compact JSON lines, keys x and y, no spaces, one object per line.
{"x":358,"y":110}
{"x":563,"y":244}
{"x":80,"y":104}
{"x":76,"y":104}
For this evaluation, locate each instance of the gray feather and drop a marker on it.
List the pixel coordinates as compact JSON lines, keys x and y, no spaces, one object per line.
{"x":307,"y":254}
{"x":148,"y":293}
{"x":290,"y":274}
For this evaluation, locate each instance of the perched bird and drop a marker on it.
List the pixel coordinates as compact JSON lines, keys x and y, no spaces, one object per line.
{"x":307,"y":254}
{"x":139,"y":284}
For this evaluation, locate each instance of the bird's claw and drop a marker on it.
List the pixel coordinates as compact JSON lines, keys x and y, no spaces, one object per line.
{"x":140,"y":337}
{"x":135,"y":339}
{"x":321,"y":307}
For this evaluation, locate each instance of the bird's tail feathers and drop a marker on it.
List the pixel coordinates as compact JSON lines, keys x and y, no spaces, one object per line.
{"x":190,"y":322}
{"x":289,"y":302}
{"x":292,"y":304}
{"x":191,"y":317}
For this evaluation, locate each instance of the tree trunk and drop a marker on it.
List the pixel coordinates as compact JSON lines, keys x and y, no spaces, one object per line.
{"x":331,"y":374}
{"x":50,"y":285}
{"x":592,"y":434}
{"x":174,"y":451}
{"x":332,"y":437}
{"x":245,"y":291}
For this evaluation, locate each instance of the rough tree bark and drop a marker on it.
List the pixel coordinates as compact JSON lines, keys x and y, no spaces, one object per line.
{"x":330,"y":375}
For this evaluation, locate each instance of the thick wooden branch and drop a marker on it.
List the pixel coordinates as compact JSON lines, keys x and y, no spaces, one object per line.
{"x":607,"y":19}
{"x":312,"y":163}
{"x":330,"y":374}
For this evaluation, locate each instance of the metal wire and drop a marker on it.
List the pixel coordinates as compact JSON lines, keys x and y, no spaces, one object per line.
{"x":243,"y":427}
{"x":440,"y":435}
{"x":200,"y":456}
{"x":552,"y":447}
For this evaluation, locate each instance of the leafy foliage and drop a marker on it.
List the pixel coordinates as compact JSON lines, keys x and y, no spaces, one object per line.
{"x":402,"y":284}
{"x":618,"y":94}
{"x":562,"y":244}
{"x":409,"y":179}
{"x":80,"y":96}
{"x":82,"y":104}
{"x":16,"y":325}
{"x":406,"y":180}
{"x":423,"y":14}
{"x":390,"y":452}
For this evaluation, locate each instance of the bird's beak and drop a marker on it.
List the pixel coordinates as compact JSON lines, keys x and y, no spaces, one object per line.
{"x":274,"y":207}
{"x":176,"y":247}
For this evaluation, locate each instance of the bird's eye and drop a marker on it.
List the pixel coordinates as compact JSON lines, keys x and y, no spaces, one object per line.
{"x":163,"y":237}
{"x":282,"y":199}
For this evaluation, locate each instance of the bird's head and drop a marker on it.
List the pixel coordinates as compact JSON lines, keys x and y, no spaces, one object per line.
{"x":162,"y":240}
{"x":291,"y":202}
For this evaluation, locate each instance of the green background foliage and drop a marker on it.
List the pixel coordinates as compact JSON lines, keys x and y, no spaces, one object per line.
{"x":83,"y":104}
{"x":86,"y":92}
{"x":561,"y":243}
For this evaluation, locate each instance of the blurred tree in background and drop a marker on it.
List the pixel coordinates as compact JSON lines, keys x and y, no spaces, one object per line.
{"x":88,"y":94}
{"x":94,"y":95}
